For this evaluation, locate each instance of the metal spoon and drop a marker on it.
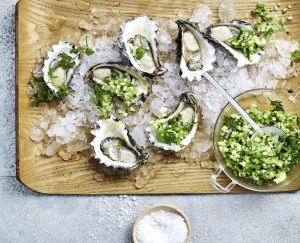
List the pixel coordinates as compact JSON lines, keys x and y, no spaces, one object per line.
{"x":267,"y":130}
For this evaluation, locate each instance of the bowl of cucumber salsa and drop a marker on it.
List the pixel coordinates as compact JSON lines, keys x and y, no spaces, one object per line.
{"x":266,"y":162}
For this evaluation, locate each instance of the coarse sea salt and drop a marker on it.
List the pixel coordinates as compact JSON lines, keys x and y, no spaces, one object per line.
{"x":162,"y":227}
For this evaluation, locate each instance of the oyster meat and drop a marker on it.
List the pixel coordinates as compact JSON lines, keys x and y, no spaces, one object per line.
{"x":223,"y":33}
{"x":114,"y":147}
{"x":55,"y":75}
{"x":196,"y":53}
{"x":138,"y":41}
{"x":177,"y":130}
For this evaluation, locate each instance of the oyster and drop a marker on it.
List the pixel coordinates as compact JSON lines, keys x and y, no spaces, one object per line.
{"x":100,"y":72}
{"x":177,"y":130}
{"x":196,"y":53}
{"x":138,"y":40}
{"x":117,"y":89}
{"x":55,"y":75}
{"x":114,"y":147}
{"x":224,"y":32}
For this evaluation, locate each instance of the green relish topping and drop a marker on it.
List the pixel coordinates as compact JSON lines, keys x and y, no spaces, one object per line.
{"x":43,"y":93}
{"x":265,"y":157}
{"x":295,"y":57}
{"x":253,"y":41}
{"x":117,"y":87}
{"x":172,"y":131}
{"x":248,"y":42}
{"x":268,"y":24}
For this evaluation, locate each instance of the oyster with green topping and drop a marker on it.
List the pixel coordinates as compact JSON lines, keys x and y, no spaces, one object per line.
{"x":239,"y":39}
{"x":116,"y":87}
{"x":175,"y":131}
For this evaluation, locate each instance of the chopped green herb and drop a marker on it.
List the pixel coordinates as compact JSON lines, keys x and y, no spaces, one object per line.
{"x":130,"y":40}
{"x":139,"y":53}
{"x":277,"y":105}
{"x":140,"y":46}
{"x":44,"y":93}
{"x":66,"y":62}
{"x":117,"y":86}
{"x":295,"y":57}
{"x":269,"y":32}
{"x":267,"y":25}
{"x":74,"y":50}
{"x":284,"y":11}
{"x":248,"y":42}
{"x":260,"y":11}
{"x":51,"y":74}
{"x":103,"y":100}
{"x":88,"y":51}
{"x":174,"y":131}
{"x":121,"y":144}
{"x":290,"y":91}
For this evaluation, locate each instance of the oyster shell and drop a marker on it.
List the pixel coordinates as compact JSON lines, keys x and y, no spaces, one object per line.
{"x":60,"y":75}
{"x":186,"y":112}
{"x":196,"y":54}
{"x":114,"y":147}
{"x":138,"y":41}
{"x":222,"y":33}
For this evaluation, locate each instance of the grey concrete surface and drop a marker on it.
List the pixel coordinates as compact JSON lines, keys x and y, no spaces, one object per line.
{"x":29,"y":217}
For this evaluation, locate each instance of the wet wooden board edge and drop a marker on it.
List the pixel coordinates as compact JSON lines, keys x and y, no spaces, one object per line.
{"x":17,"y":95}
{"x":236,"y":190}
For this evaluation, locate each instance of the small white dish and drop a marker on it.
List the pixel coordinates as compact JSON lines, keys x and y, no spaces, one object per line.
{"x":155,"y":208}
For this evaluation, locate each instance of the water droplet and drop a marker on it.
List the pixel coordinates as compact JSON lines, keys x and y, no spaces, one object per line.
{"x":150,"y":189}
{"x":116,"y":3}
{"x":67,"y":174}
{"x":208,"y":164}
{"x":98,"y":177}
{"x":142,"y":178}
{"x":178,"y":172}
{"x":56,"y":23}
{"x":82,"y":5}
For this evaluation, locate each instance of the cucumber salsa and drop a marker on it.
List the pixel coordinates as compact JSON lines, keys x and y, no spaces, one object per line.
{"x":266,"y":157}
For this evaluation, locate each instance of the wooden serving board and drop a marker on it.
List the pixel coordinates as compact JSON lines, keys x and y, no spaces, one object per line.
{"x":39,"y":25}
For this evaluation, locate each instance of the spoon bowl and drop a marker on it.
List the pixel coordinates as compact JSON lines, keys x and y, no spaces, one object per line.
{"x":270,"y":130}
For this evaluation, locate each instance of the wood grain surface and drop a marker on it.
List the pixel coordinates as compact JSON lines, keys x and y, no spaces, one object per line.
{"x":38,"y":26}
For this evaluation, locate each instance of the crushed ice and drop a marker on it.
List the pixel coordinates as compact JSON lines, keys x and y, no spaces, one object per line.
{"x":65,"y":129}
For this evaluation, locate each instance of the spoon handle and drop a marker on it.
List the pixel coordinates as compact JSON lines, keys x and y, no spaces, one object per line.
{"x":232,"y":101}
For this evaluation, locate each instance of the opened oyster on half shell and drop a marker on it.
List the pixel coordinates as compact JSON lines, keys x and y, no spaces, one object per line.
{"x":138,"y":41}
{"x":60,"y":64}
{"x":175,"y":131}
{"x":116,"y":85}
{"x":239,"y":39}
{"x":196,"y":54}
{"x":114,"y":147}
